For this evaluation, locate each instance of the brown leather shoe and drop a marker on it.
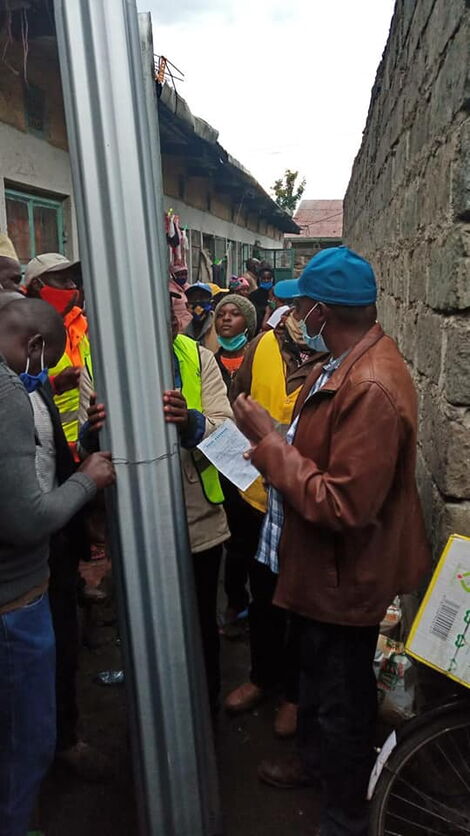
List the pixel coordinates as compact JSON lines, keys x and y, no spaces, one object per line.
{"x":284,"y":774}
{"x":285,"y":724}
{"x":243,"y":698}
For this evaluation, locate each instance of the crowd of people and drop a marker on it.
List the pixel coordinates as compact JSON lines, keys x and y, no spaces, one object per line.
{"x":313,"y":551}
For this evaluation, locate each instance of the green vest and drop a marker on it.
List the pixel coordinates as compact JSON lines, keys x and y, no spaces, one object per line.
{"x":187,"y":352}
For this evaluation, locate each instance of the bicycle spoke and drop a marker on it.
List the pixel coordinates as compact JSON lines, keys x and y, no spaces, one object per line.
{"x":440,"y":805}
{"x":428,"y":812}
{"x":452,"y":766}
{"x":424,"y":827}
{"x":459,"y":748}
{"x":428,"y":791}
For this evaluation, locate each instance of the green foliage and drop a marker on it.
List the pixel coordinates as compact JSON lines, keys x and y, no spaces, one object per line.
{"x":286,"y":194}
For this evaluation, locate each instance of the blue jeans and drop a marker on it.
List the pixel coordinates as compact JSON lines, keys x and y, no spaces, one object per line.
{"x":27,"y":711}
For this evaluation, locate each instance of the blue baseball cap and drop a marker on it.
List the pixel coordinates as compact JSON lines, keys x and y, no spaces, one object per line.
{"x":286,"y":289}
{"x":199,"y":286}
{"x":336,"y":276}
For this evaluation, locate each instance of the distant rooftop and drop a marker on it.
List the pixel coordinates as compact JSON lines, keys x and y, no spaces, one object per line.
{"x":319,"y":219}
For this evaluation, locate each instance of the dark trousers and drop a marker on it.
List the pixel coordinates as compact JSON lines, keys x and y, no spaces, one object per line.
{"x":206,"y":566}
{"x":273,"y":643}
{"x":337,"y":716}
{"x":273,"y":653}
{"x":27,"y":711}
{"x":244,"y":524}
{"x":63,"y":588}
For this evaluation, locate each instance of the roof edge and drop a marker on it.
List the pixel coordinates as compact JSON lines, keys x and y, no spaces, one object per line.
{"x":180,"y":109}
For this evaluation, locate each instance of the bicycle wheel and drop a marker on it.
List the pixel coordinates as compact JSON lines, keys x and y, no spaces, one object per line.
{"x":424,"y":788}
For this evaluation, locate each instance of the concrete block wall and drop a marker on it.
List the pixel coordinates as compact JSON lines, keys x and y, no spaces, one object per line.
{"x":407,"y":209}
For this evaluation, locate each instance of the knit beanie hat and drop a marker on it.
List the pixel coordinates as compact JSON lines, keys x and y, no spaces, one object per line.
{"x":246,"y":308}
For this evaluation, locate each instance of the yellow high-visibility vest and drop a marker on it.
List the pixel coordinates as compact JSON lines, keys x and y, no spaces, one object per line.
{"x":68,"y":403}
{"x":268,"y":388}
{"x":187,"y":352}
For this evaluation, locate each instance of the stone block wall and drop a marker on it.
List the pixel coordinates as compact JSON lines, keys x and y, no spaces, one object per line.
{"x":407,"y":209}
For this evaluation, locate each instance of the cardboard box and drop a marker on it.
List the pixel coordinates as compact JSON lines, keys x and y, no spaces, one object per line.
{"x":440,"y":635}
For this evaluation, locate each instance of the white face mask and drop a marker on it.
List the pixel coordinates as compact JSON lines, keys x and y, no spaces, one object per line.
{"x":315,"y":343}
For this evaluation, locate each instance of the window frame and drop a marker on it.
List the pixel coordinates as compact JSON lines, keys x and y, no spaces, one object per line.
{"x":33,"y":200}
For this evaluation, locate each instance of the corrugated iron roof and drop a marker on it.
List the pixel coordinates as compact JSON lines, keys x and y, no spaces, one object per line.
{"x":182,"y":132}
{"x":320,"y":218}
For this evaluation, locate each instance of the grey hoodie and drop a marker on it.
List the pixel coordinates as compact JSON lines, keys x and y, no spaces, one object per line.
{"x":28,"y":516}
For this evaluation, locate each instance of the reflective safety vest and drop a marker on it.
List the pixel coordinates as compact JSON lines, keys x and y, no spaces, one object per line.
{"x":187,"y":352}
{"x":68,"y":403}
{"x":268,"y":388}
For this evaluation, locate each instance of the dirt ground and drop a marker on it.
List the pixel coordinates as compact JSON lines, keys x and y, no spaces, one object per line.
{"x":70,"y":807}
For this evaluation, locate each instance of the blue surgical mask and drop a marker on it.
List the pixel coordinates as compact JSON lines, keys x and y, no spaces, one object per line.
{"x":32,"y":382}
{"x":266,"y":285}
{"x":233,"y":343}
{"x":315,"y":343}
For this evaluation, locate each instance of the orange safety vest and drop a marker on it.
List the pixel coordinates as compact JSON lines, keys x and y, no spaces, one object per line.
{"x":77,"y":353}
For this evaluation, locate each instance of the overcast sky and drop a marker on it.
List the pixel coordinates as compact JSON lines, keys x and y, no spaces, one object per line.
{"x":285,"y":82}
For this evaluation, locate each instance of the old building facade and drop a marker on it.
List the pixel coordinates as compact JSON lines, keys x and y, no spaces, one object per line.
{"x":222,"y":207}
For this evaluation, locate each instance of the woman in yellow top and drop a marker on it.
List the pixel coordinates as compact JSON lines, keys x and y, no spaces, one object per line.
{"x":273,"y":371}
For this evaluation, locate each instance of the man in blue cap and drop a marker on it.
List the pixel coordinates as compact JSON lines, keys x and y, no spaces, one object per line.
{"x":344,"y":527}
{"x":201,"y":327}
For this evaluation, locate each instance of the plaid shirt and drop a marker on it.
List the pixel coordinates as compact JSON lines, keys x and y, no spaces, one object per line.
{"x":274,"y":520}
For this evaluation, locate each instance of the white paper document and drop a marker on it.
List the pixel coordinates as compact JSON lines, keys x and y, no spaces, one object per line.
{"x":224,"y":448}
{"x":277,"y":315}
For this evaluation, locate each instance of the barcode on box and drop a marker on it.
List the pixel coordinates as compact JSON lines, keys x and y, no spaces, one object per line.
{"x":444,"y":619}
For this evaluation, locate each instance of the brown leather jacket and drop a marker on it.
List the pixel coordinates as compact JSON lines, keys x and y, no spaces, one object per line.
{"x":353,"y":534}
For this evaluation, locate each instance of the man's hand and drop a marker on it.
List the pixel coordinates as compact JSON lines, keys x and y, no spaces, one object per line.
{"x":175,"y":408}
{"x":96,"y":415}
{"x":254,"y":421}
{"x":100,"y":469}
{"x":67,"y":379}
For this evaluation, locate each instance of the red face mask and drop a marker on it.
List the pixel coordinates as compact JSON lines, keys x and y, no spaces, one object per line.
{"x":61,"y":300}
